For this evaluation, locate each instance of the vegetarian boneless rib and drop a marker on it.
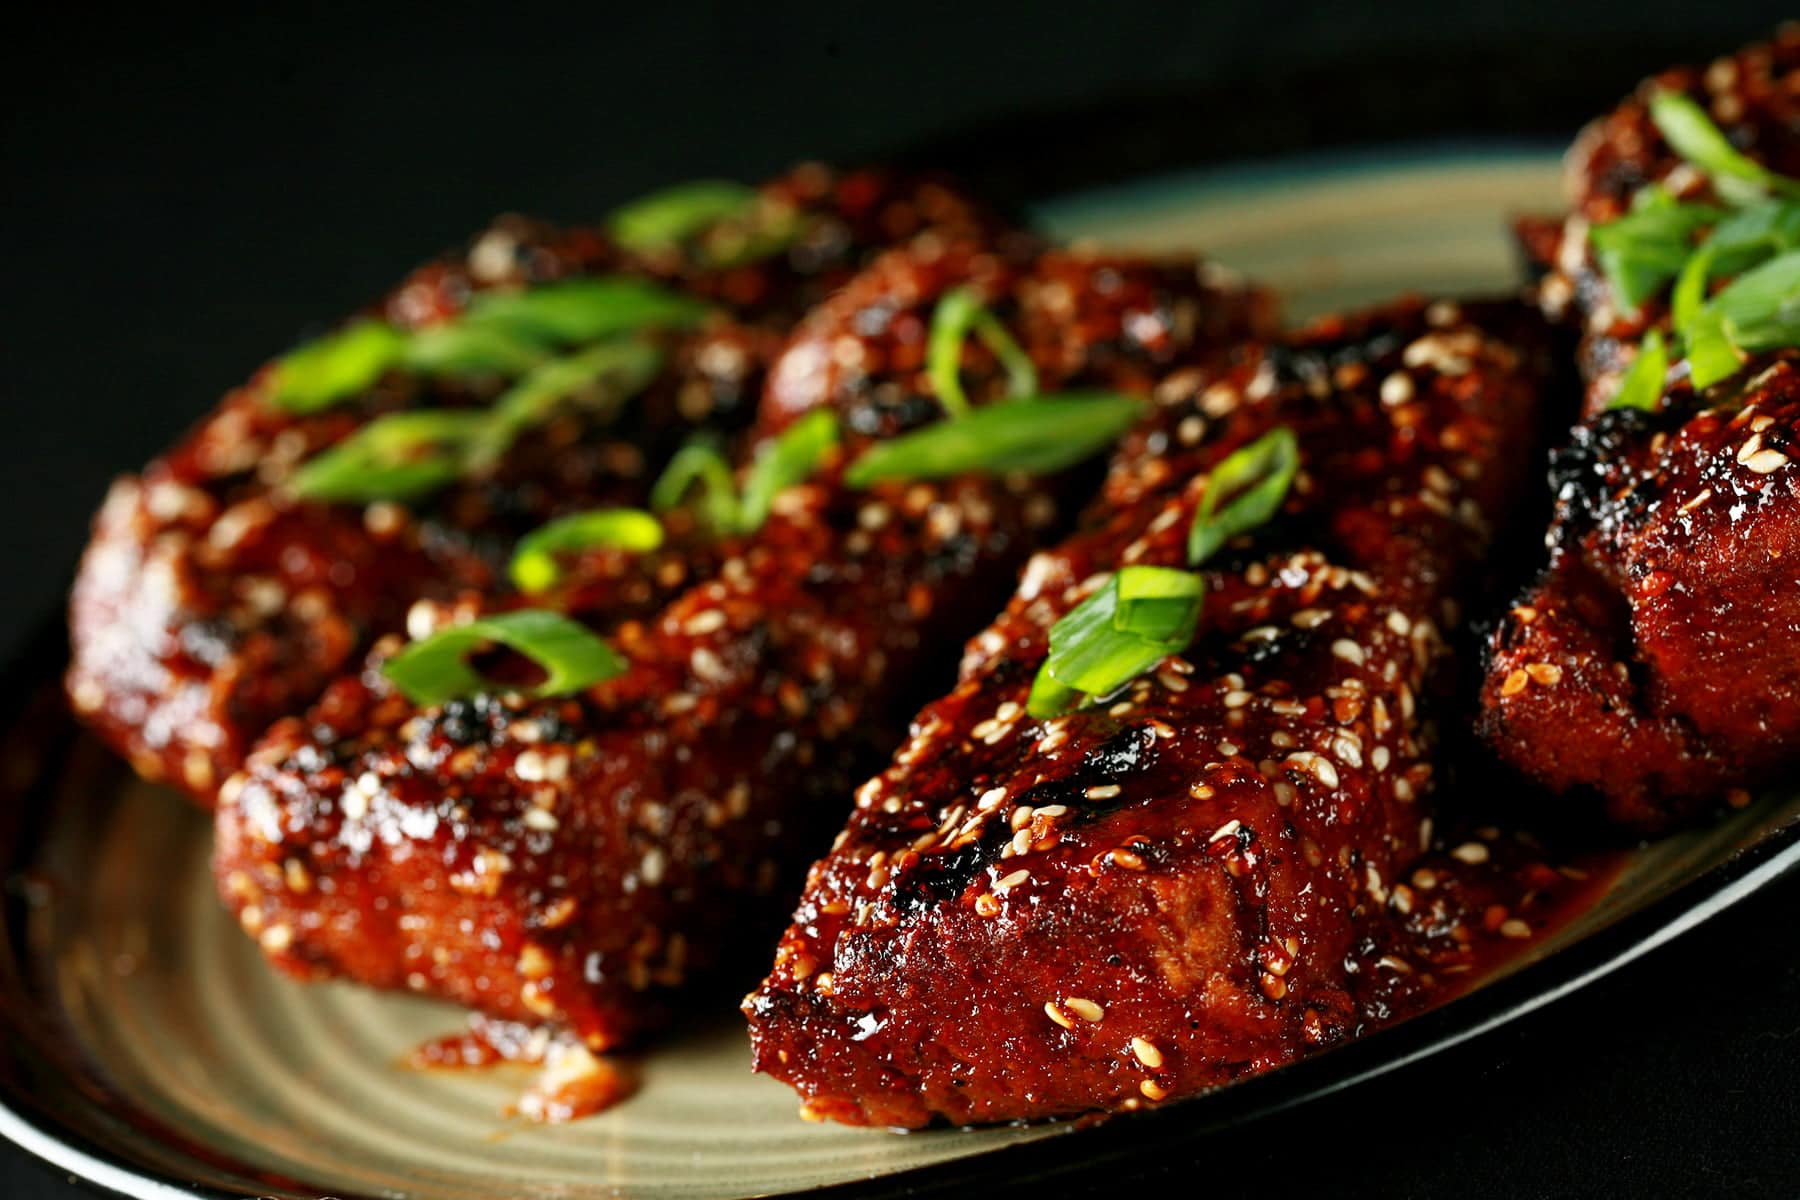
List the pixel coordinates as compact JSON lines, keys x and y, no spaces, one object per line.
{"x":232,"y":578}
{"x":1655,"y":663}
{"x":1034,"y":915}
{"x":574,"y":860}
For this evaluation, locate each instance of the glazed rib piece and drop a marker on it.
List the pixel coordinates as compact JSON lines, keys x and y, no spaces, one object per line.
{"x":211,"y":601}
{"x":1656,"y":661}
{"x":1157,"y":894}
{"x":573,"y":861}
{"x":1754,"y":97}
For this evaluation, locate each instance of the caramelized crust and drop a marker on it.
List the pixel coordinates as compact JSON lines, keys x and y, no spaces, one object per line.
{"x":1157,"y":894}
{"x":574,"y":861}
{"x":211,"y":602}
{"x":1657,"y":660}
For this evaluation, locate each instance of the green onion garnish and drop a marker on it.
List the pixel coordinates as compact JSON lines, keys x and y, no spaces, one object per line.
{"x":794,"y":454}
{"x":397,"y":457}
{"x":585,"y":310}
{"x":1689,"y":292}
{"x":319,"y":374}
{"x":1037,"y":435}
{"x":1642,"y":386}
{"x":1694,"y":136}
{"x":614,"y":371}
{"x":1144,"y":614}
{"x":782,"y":462}
{"x":673,"y":215}
{"x":1643,"y":250}
{"x":435,"y":669}
{"x":701,"y":462}
{"x":534,"y":566}
{"x":1245,"y":490}
{"x":958,"y":314}
{"x":1139,"y":617}
{"x":1759,"y":310}
{"x":458,"y":349}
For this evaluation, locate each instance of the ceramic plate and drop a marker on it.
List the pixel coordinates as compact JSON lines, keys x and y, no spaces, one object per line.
{"x":148,"y":1049}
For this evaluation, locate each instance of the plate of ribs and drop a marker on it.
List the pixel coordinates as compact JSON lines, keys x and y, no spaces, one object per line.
{"x":835,"y":683}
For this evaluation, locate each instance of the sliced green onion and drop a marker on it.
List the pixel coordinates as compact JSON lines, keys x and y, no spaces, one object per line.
{"x":1710,"y":355}
{"x":435,"y":669}
{"x":585,"y":310}
{"x":339,"y":365}
{"x":396,"y":457}
{"x":699,"y":462}
{"x":1643,"y":250}
{"x":1687,"y":127}
{"x":1159,"y":603}
{"x":1753,"y":234}
{"x":534,"y":564}
{"x":459,"y":349}
{"x":1244,"y":490}
{"x":673,"y":215}
{"x":1690,"y":288}
{"x":1761,"y":307}
{"x":959,"y":313}
{"x":1642,"y":386}
{"x":1139,"y":617}
{"x":1759,"y":310}
{"x":789,"y":459}
{"x":1037,"y":435}
{"x":613,"y":371}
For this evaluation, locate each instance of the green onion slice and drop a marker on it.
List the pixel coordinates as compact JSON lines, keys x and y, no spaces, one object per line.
{"x":322,"y":372}
{"x":1759,"y":310}
{"x":397,"y":457}
{"x":1642,"y":386}
{"x":459,"y":349}
{"x":435,"y":669}
{"x":1690,"y":287}
{"x":789,"y":459}
{"x":959,"y":313}
{"x":1643,"y":250}
{"x":673,"y":215}
{"x":1687,"y":127}
{"x":612,"y":372}
{"x":1245,"y":490}
{"x":534,"y":566}
{"x":1753,"y":234}
{"x":699,"y":462}
{"x":585,"y":310}
{"x":1139,"y":617}
{"x":1036,"y":435}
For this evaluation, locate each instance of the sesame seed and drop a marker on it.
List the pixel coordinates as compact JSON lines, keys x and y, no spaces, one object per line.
{"x":1084,"y":1008}
{"x":1765,"y":461}
{"x":709,"y":621}
{"x":1153,"y":1090}
{"x":1226,"y":830}
{"x":1515,"y":928}
{"x":1104,"y":791}
{"x":1548,"y":674}
{"x":1471,"y":853}
{"x":1348,"y":650}
{"x":1516,"y":682}
{"x":1147,"y":1053}
{"x":1008,"y":882}
{"x":1056,"y":1014}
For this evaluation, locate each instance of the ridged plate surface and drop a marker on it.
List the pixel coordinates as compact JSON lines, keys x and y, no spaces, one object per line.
{"x":146,"y":1040}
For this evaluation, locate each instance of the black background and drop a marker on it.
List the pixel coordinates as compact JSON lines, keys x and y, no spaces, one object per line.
{"x":183,"y":193}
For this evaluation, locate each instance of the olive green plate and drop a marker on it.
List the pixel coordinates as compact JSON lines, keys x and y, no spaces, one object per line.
{"x":149,"y":1050}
